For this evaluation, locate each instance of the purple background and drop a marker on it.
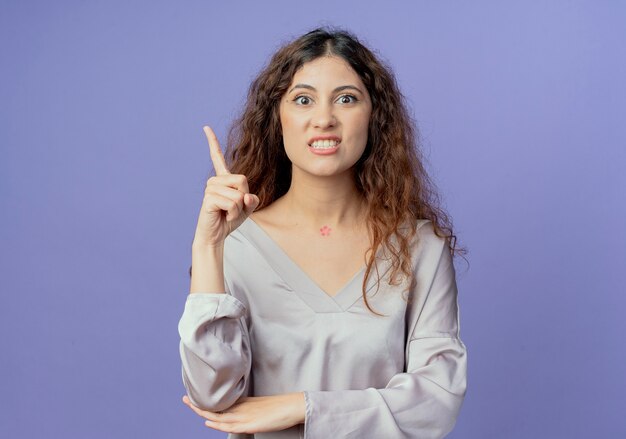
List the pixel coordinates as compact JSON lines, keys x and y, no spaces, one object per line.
{"x":522,"y":111}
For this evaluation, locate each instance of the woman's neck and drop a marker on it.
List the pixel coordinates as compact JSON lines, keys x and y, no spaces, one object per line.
{"x":318,"y":201}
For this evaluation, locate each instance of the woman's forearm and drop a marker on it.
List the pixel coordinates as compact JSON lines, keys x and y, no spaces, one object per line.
{"x":207,"y":272}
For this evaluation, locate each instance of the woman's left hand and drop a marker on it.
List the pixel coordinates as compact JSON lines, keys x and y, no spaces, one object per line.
{"x":256,"y":414}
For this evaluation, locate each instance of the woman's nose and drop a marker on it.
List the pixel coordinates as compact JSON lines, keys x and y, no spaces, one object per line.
{"x":324,"y":116}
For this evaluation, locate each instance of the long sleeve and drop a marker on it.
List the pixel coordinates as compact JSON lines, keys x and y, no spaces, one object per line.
{"x":424,"y":401}
{"x":214,"y":350}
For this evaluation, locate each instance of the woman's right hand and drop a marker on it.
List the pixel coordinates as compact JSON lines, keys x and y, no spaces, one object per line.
{"x":227,"y":201}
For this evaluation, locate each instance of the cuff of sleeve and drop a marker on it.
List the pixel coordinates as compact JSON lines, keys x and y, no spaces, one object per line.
{"x":342,"y":413}
{"x":222,"y":304}
{"x":307,"y":413}
{"x":203,"y":308}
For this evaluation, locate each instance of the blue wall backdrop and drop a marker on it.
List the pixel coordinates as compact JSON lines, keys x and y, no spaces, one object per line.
{"x":522,"y":111}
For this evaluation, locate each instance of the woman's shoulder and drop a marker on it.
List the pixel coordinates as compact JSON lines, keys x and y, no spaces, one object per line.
{"x":425,"y":239}
{"x":253,"y":232}
{"x":272,"y":215}
{"x":423,"y":229}
{"x":265,"y":217}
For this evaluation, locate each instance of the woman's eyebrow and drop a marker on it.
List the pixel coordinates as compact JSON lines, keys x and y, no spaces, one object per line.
{"x":340,"y":88}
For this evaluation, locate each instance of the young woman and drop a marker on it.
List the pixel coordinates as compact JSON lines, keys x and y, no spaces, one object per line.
{"x":323,"y":299}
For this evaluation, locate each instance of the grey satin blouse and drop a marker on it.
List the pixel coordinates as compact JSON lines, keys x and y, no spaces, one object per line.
{"x":364,"y":376}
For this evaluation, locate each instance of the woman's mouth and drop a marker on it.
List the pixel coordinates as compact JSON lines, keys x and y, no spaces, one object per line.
{"x":324,"y":147}
{"x":324,"y":144}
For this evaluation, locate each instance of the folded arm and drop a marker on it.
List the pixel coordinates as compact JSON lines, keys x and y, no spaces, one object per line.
{"x":424,"y":400}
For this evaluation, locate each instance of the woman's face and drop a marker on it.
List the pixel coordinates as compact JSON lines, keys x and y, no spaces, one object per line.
{"x":327,"y":101}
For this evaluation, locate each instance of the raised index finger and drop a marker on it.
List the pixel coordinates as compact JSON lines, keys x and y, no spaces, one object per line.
{"x":216,"y":153}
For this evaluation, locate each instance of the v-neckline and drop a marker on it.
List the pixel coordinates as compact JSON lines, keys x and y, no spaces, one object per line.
{"x":301,"y":282}
{"x":297,"y":266}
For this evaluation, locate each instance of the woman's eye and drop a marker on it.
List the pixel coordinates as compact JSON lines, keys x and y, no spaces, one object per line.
{"x":302,"y":100}
{"x":347,"y":99}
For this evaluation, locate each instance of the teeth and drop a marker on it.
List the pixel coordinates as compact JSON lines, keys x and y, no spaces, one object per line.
{"x":324,"y":144}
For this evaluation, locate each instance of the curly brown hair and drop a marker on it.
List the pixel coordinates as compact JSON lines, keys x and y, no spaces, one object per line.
{"x":390,"y":174}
